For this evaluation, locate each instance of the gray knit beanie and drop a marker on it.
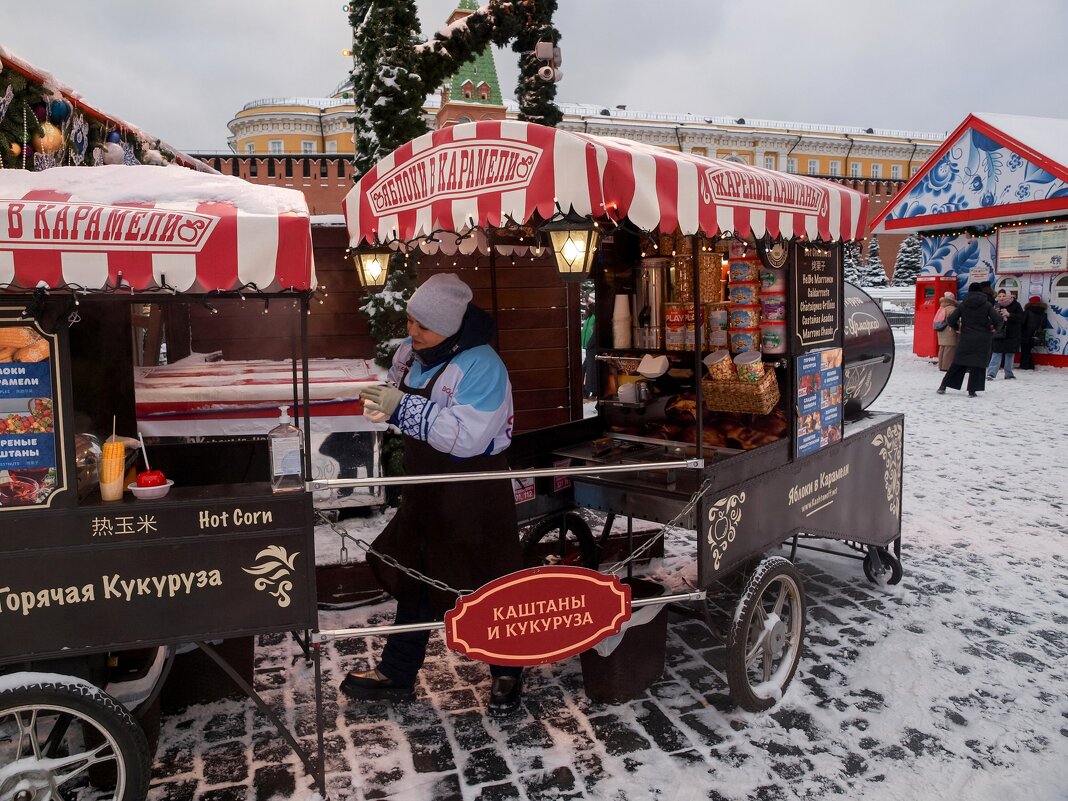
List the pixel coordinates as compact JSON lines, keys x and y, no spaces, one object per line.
{"x":440,"y":303}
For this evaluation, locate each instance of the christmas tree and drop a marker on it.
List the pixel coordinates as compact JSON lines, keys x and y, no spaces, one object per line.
{"x":874,"y":274}
{"x":851,"y":262}
{"x":909,"y":262}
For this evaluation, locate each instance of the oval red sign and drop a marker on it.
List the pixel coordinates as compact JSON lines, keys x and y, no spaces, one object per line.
{"x":536,"y":616}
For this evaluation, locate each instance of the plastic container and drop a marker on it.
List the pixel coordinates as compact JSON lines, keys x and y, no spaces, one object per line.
{"x":744,"y":271}
{"x":744,"y":294}
{"x":678,"y":326}
{"x":745,"y":339}
{"x":773,"y":306}
{"x":773,"y":337}
{"x":636,"y":662}
{"x":285,"y":445}
{"x":749,"y":365}
{"x":720,"y":367}
{"x":745,"y":316}
{"x":772,"y":280}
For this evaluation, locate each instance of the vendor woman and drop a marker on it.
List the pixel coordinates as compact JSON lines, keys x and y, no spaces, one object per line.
{"x":450,"y":396}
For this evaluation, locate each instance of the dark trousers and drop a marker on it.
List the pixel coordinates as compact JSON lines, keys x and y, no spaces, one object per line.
{"x":1027,"y":361}
{"x":405,"y":652}
{"x":954,"y":378}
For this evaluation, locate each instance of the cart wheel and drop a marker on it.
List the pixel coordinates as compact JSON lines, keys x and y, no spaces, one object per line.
{"x":889,"y":571}
{"x":563,"y":539}
{"x":764,"y":644}
{"x":61,"y":737}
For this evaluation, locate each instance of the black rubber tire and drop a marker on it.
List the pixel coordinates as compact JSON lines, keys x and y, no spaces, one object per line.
{"x":891,"y":572}
{"x":95,"y":717}
{"x":773,"y":571}
{"x":576,"y":545}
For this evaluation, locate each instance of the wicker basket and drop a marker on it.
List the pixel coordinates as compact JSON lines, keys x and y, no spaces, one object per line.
{"x":751,"y":397}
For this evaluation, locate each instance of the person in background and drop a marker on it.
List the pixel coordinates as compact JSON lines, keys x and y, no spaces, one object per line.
{"x":1006,"y":341}
{"x":589,"y":364}
{"x":947,"y":336}
{"x":1032,"y":330}
{"x":450,"y":396}
{"x":975,"y":320}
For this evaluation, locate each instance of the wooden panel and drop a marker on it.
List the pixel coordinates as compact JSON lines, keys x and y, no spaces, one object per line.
{"x":517,"y":319}
{"x":540,"y":398}
{"x":531,"y":421}
{"x":537,"y":379}
{"x":533,"y":338}
{"x":532,"y":359}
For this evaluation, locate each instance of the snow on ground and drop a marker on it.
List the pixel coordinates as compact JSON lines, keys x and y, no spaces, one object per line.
{"x":950,"y":685}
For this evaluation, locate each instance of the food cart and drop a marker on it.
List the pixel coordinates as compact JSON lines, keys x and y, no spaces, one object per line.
{"x":769,"y":416}
{"x":93,"y":593}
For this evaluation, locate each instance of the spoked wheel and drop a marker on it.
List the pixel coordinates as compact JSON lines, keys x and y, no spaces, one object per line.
{"x":63,"y":739}
{"x":886,"y":571}
{"x":563,"y":539}
{"x":764,"y":644}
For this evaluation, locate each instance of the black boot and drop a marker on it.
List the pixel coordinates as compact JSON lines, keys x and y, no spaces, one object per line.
{"x":371,"y":685}
{"x":506,"y":695}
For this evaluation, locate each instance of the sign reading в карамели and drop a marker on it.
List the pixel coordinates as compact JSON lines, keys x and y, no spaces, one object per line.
{"x":817,"y":291}
{"x":29,"y":456}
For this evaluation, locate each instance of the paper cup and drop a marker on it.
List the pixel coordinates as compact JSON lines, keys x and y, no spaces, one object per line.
{"x":749,"y":365}
{"x":720,"y":366}
{"x":112,"y":478}
{"x":628,"y":393}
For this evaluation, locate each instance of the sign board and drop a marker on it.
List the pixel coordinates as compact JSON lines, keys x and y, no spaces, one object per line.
{"x":537,"y":616}
{"x":31,"y":432}
{"x":1033,"y":248}
{"x":817,"y":297}
{"x":818,"y":414}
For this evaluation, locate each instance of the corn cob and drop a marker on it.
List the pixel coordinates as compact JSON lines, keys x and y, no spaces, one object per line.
{"x":112,"y":462}
{"x":17,"y":336}
{"x":37,"y":352}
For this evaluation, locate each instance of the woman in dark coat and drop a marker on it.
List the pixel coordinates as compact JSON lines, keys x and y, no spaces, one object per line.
{"x":1006,"y":341}
{"x":1034,"y":323}
{"x":975,"y":320}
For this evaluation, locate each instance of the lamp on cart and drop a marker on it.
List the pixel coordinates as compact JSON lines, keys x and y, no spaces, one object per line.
{"x":574,"y":242}
{"x":372,"y":265}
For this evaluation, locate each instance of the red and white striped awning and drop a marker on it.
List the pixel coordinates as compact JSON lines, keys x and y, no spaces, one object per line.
{"x":149,"y":228}
{"x":481,"y":174}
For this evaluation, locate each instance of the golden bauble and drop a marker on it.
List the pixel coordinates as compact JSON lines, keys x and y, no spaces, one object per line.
{"x":49,"y":140}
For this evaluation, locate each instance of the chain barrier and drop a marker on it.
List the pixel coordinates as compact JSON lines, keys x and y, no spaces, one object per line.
{"x":669,"y":526}
{"x":443,"y":587}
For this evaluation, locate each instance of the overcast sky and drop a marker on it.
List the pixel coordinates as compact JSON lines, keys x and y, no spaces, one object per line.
{"x":181,"y":70}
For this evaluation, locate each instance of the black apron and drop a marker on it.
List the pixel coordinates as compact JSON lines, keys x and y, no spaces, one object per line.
{"x":463,"y":534}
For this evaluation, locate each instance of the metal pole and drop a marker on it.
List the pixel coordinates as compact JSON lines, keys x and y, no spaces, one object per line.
{"x":497,"y":475}
{"x":372,"y":631}
{"x":698,"y":344}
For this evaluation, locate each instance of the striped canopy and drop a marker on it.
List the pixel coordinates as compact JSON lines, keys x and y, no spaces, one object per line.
{"x":150,"y":228}
{"x":485,"y":174}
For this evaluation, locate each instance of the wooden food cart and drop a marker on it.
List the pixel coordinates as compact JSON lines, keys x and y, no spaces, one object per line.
{"x":93,"y":593}
{"x":673,"y":241}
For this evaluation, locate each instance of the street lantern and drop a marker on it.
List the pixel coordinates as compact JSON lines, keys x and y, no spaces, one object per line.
{"x":372,"y":266}
{"x":574,"y":241}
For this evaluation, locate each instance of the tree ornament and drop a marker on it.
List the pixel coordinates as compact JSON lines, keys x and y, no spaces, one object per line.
{"x":114,"y":137}
{"x":58,"y":111}
{"x":40,"y":111}
{"x":16,"y":150}
{"x":49,"y":140}
{"x":5,"y":101}
{"x":79,"y":139}
{"x":129,"y":156}
{"x":154,"y":157}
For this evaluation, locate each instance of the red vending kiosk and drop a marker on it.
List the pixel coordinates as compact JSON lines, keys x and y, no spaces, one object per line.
{"x":929,"y":288}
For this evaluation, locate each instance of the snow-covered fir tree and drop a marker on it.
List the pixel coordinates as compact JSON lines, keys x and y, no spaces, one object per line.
{"x":388,"y":90}
{"x":909,"y":262}
{"x":874,"y":274}
{"x":851,"y":262}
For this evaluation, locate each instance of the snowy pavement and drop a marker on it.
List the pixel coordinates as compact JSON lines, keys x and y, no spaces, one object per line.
{"x":951,"y":685}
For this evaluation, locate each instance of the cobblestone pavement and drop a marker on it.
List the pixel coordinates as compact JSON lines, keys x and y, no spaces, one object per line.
{"x":900,"y":687}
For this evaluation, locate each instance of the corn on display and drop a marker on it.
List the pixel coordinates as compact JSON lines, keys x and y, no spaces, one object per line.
{"x":112,"y":462}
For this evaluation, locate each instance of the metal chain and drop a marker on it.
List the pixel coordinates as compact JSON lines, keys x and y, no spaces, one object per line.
{"x":389,"y":560}
{"x":669,"y":526}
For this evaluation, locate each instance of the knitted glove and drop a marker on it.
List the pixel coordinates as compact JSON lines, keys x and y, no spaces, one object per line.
{"x":382,"y":398}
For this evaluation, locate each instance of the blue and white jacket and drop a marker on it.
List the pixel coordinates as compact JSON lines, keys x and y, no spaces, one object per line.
{"x":469,"y":412}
